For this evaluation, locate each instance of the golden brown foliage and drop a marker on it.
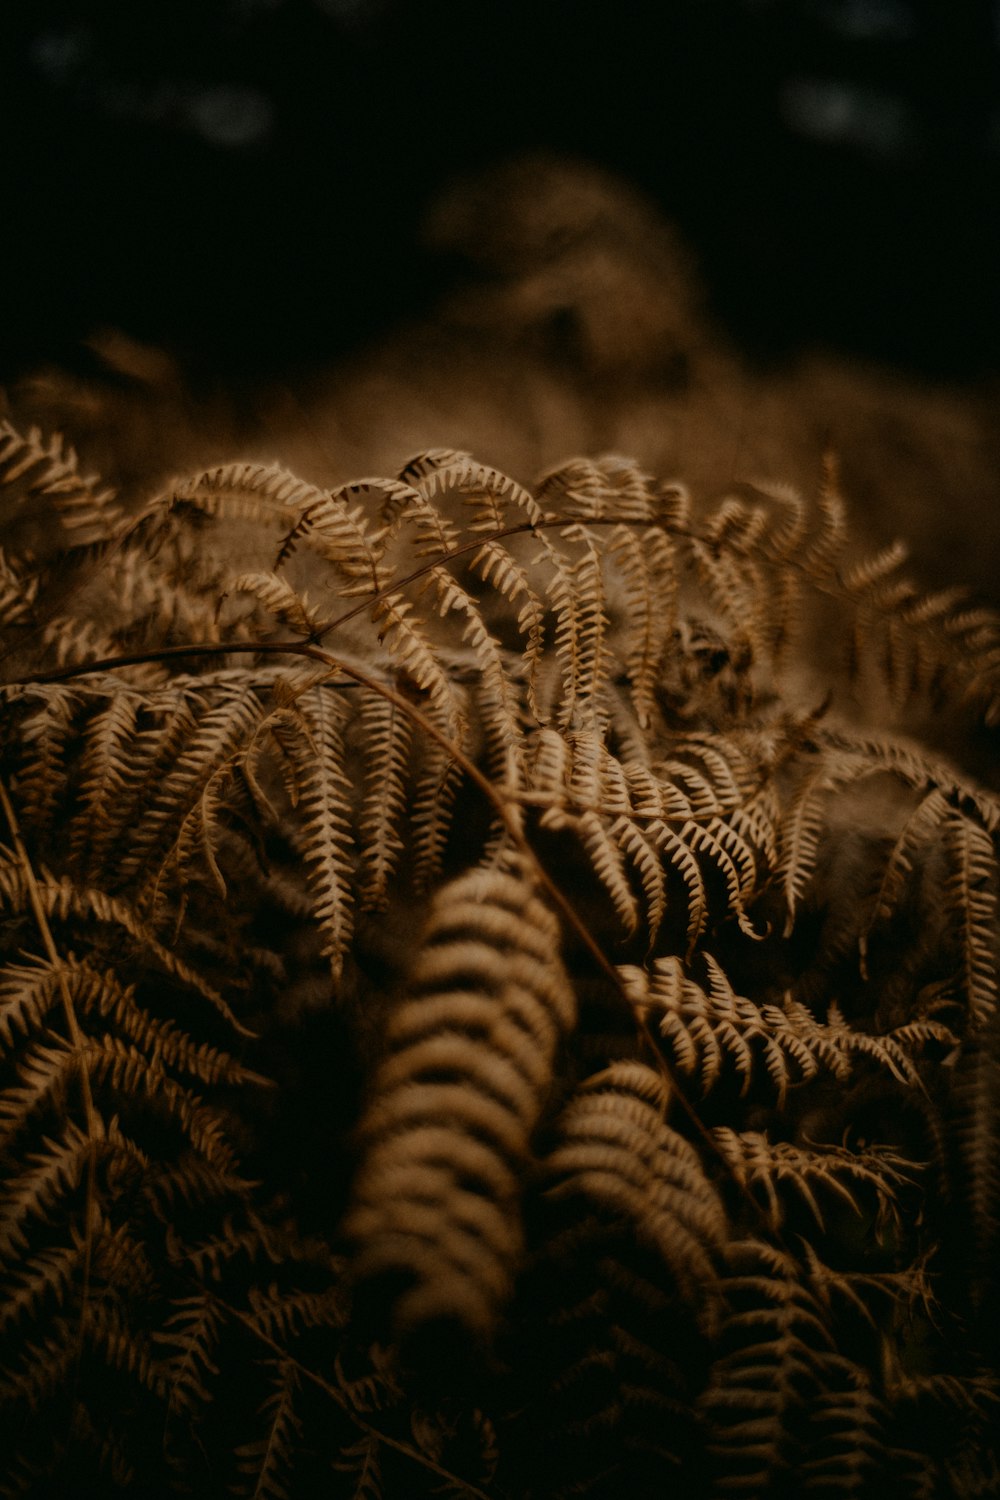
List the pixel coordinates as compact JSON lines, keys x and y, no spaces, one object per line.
{"x":473,"y":1010}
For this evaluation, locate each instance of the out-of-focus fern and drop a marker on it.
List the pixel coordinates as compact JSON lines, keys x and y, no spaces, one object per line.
{"x":474,"y":1011}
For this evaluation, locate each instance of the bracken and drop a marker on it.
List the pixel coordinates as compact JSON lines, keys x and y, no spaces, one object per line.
{"x":474,"y":1010}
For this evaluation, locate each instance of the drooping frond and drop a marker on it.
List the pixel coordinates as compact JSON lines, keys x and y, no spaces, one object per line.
{"x":243,"y":491}
{"x":472,"y":1049}
{"x":386,"y":735}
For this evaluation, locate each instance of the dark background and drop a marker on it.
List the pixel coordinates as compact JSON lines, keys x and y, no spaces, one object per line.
{"x":244,"y":180}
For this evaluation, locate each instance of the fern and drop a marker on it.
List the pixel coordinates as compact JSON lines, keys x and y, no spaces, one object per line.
{"x":476,"y":1014}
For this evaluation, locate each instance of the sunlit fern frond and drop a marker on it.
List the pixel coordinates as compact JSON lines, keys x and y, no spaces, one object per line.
{"x":219,"y":733}
{"x":337,"y":531}
{"x":385,"y":736}
{"x":242,"y":491}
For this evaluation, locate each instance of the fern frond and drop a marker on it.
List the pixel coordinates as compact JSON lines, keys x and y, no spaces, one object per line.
{"x":777,"y":1352}
{"x":805,"y":824}
{"x":362,"y":1461}
{"x":607,"y":859}
{"x":254,"y":492}
{"x":452,"y":1110}
{"x":496,"y":697}
{"x":45,"y":1072}
{"x":221,"y":733}
{"x":705,"y":1029}
{"x":971,"y":897}
{"x":976,"y":1109}
{"x":920,"y":828}
{"x":406,"y":640}
{"x":51,"y":1174}
{"x":338,"y":532}
{"x":327,"y":825}
{"x":617,"y":1155}
{"x":18,"y":591}
{"x":828,"y":544}
{"x":386,"y":736}
{"x":189,"y":1348}
{"x":46,"y":1279}
{"x":47,"y":471}
{"x":61,"y":899}
{"x":489,"y":490}
{"x":495,"y":565}
{"x":587,"y":660}
{"x":267,"y":1461}
{"x":846,"y":1174}
{"x":595,"y":489}
{"x":736,"y":587}
{"x":569,"y":693}
{"x":279,"y":1314}
{"x":43,"y":1366}
{"x":415,"y":527}
{"x":104,"y":776}
{"x":683,"y":863}
{"x":847,"y":1449}
{"x":432,"y":812}
{"x":133,"y":1074}
{"x":280,"y":599}
{"x":648,"y":566}
{"x":42,"y":748}
{"x":642,"y":855}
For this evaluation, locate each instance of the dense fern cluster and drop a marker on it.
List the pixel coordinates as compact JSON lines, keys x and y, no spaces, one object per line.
{"x":474,"y":1012}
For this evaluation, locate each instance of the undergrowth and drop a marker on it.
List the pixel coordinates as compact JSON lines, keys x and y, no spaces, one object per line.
{"x":479,"y":1012}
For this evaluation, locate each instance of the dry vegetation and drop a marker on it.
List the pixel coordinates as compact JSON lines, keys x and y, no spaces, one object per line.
{"x":483,"y":1007}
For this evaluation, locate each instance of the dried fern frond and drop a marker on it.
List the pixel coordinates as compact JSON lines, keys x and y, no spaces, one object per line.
{"x":777,"y":1356}
{"x":100,"y":1093}
{"x":43,"y":477}
{"x":622,"y":1293}
{"x":617,"y":1158}
{"x":447,"y":1130}
{"x":772,"y":1168}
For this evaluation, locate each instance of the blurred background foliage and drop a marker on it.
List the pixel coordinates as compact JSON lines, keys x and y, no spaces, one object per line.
{"x":247,"y":181}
